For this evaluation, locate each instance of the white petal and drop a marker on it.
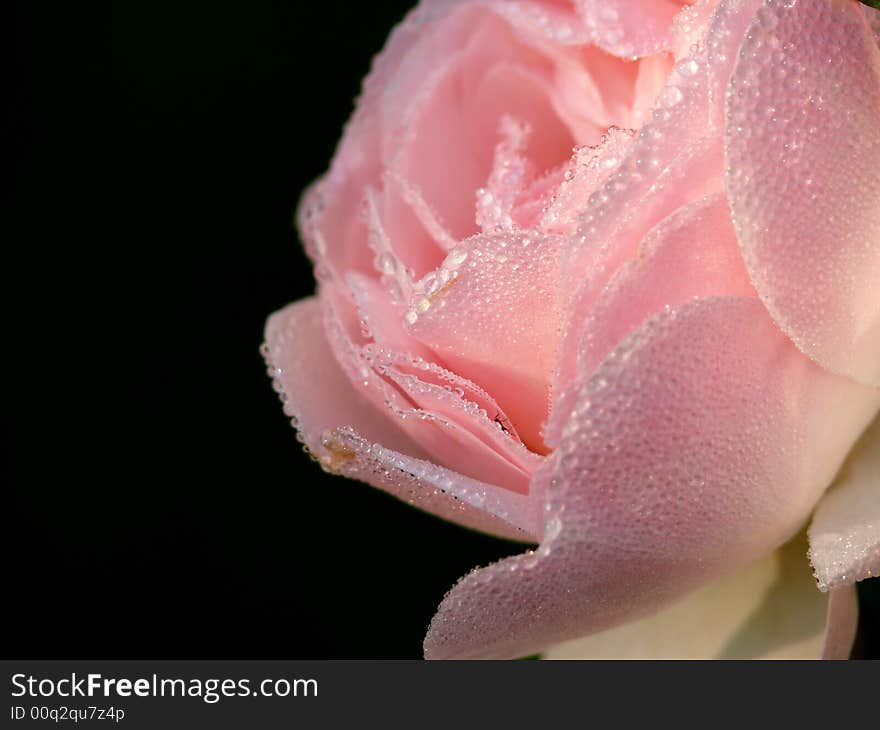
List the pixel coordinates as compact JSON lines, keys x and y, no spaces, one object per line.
{"x":845,"y":534}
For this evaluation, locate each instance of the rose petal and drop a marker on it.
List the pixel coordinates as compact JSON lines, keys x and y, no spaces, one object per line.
{"x":462,"y":405}
{"x":663,"y":480}
{"x":802,"y":152}
{"x":630,"y":28}
{"x":653,"y":74}
{"x":693,"y":254}
{"x":381,"y":317}
{"x":450,"y":130}
{"x":333,"y":419}
{"x":588,"y":167}
{"x":435,"y":489}
{"x":461,"y":444}
{"x":335,"y":239}
{"x":729,"y":24}
{"x":494,"y":321}
{"x":668,"y":164}
{"x":845,"y":533}
{"x":692,"y":174}
{"x":618,"y":206}
{"x":842,"y":623}
{"x":402,"y":198}
{"x":317,"y":393}
{"x":690,"y":26}
{"x":592,"y":91}
{"x":541,"y":21}
{"x":512,"y":172}
{"x":768,"y":610}
{"x":437,"y":155}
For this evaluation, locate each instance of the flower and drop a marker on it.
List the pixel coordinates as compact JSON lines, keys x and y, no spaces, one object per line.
{"x":601,"y":275}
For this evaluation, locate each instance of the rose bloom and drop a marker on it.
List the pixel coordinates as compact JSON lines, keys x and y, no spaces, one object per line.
{"x":602,"y":276}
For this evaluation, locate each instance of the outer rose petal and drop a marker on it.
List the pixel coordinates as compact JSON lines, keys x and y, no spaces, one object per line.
{"x":689,"y":176}
{"x":338,"y":425}
{"x":768,"y":610}
{"x":334,"y":239}
{"x":689,"y":255}
{"x":842,"y":623}
{"x":315,"y":390}
{"x":845,"y":533}
{"x":663,"y":480}
{"x":803,"y":154}
{"x":729,"y":24}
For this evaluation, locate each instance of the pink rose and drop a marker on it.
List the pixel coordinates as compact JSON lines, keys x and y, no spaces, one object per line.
{"x":602,"y":276}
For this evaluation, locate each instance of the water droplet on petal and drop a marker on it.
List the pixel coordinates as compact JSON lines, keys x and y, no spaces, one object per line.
{"x":670,"y":96}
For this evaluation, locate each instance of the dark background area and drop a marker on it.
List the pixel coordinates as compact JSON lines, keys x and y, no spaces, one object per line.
{"x":160,"y":505}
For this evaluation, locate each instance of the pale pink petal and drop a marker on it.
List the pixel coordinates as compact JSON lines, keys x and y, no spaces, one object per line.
{"x":430,"y":391}
{"x":842,"y":623}
{"x":415,"y":232}
{"x":694,"y":173}
{"x":343,"y":431}
{"x":449,"y":132}
{"x":395,"y":275}
{"x":693,"y":254}
{"x":494,"y":321}
{"x":430,"y":373}
{"x":588,"y":167}
{"x":802,"y":152}
{"x":630,"y":28}
{"x":437,"y":148}
{"x":668,"y":164}
{"x":845,"y":533}
{"x":664,"y":480}
{"x":653,"y":74}
{"x":381,"y":317}
{"x":725,"y":35}
{"x":317,"y":394}
{"x":433,"y":488}
{"x":767,"y":610}
{"x":419,"y":209}
{"x":460,"y":444}
{"x":332,"y":234}
{"x":592,"y":90}
{"x":512,"y":172}
{"x":445,"y":29}
{"x":690,"y":26}
{"x":517,"y":91}
{"x":549,"y":23}
{"x":677,"y":125}
{"x":450,"y":398}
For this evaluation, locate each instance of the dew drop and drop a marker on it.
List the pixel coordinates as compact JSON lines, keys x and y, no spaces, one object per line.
{"x":670,"y":97}
{"x":386,"y":263}
{"x":688,"y":67}
{"x":456,"y":257}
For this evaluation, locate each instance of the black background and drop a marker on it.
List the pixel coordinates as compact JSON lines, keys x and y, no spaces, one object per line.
{"x":160,"y":505}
